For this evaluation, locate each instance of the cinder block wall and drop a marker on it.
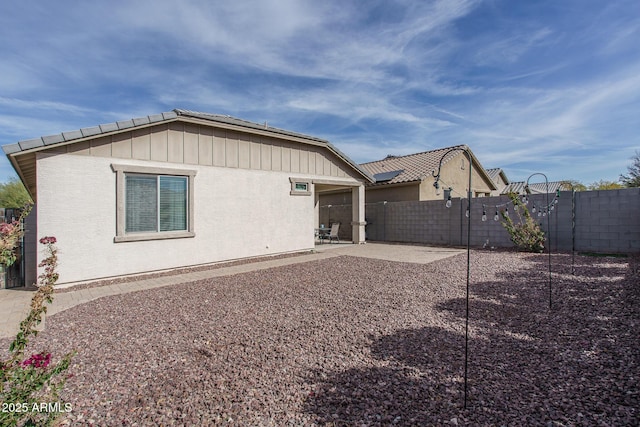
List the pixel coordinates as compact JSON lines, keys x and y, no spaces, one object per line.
{"x":338,"y":213}
{"x":606,"y":221}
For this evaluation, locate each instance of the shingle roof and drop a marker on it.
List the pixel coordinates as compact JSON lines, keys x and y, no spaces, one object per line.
{"x":414,"y":167}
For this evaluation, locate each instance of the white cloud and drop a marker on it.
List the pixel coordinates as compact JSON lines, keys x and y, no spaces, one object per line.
{"x":45,"y":105}
{"x":510,"y":49}
{"x":407,"y":75}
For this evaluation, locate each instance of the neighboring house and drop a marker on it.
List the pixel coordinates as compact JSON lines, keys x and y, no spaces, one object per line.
{"x":178,"y":189}
{"x":519,"y":187}
{"x":409,"y":178}
{"x":505,"y":187}
{"x":499,"y":178}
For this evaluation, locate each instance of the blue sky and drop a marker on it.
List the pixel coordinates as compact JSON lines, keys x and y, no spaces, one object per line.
{"x":531,"y":86}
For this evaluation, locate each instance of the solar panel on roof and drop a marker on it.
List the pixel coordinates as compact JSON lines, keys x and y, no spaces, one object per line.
{"x":387,"y":176}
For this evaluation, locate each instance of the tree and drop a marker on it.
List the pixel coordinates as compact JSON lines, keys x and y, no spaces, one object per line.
{"x":633,"y":178}
{"x":573,"y":184}
{"x":604,"y":185}
{"x":13,"y":194}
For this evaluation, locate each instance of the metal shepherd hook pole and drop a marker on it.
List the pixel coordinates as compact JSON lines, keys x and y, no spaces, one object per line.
{"x":469,"y":194}
{"x":547,"y":213}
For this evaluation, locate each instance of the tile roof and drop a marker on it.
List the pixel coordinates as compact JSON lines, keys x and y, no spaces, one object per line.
{"x":519,"y":186}
{"x":495,"y":173}
{"x":535,"y":188}
{"x":412,"y":167}
{"x":387,"y":176}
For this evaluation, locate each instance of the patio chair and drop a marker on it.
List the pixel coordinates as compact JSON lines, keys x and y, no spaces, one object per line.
{"x":333,"y":234}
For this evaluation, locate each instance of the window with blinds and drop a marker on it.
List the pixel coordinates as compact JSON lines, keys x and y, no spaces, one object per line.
{"x":155,"y":203}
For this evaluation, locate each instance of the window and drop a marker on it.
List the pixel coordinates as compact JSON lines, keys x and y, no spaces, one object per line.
{"x":300,"y":187}
{"x":153,"y":203}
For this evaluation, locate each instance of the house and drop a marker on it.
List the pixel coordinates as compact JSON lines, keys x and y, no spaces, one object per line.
{"x":178,"y":189}
{"x":499,"y":178}
{"x":519,"y":187}
{"x":504,"y":186}
{"x":410,"y":177}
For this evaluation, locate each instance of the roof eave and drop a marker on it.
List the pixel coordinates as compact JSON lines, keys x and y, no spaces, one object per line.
{"x":85,"y":134}
{"x":18,"y":171}
{"x":73,"y":137}
{"x":394,"y":184}
{"x":351,"y":163}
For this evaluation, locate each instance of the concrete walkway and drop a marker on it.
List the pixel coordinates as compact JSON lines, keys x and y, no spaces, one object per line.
{"x":15,"y":303}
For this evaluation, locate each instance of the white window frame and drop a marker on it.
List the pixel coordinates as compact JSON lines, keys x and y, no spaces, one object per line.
{"x":121,"y":212}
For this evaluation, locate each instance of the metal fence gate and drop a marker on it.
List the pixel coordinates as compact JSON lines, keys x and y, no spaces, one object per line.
{"x":14,"y":275}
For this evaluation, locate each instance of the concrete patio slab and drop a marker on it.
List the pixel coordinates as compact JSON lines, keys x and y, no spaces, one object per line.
{"x":418,"y":254}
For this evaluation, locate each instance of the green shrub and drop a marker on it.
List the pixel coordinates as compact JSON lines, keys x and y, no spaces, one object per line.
{"x":525,"y":233}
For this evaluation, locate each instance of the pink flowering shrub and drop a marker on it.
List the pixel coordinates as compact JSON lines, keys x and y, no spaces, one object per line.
{"x":38,"y":360}
{"x":7,"y":228}
{"x":48,"y":240}
{"x":33,"y":381}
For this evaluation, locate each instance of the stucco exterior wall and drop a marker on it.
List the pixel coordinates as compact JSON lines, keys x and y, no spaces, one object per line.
{"x":393,"y":193}
{"x":455,"y":174}
{"x":500,"y":184}
{"x":238,"y":213}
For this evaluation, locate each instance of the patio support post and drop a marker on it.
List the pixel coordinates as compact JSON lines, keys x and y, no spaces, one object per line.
{"x":357,"y":222}
{"x":316,"y":209}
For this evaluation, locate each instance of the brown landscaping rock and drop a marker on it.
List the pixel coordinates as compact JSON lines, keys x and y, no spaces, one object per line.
{"x":364,"y":342}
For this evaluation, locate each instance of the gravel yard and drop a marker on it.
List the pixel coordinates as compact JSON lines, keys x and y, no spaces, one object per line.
{"x":355,"y":341}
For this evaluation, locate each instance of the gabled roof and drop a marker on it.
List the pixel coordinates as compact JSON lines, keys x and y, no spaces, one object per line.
{"x":30,"y":146}
{"x":126,"y":125}
{"x":518,"y":187}
{"x":417,"y":167}
{"x":535,"y":188}
{"x":495,"y":173}
{"x":60,"y":138}
{"x":278,"y":132}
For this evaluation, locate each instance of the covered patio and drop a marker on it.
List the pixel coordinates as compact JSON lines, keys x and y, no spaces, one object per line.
{"x":357,"y":203}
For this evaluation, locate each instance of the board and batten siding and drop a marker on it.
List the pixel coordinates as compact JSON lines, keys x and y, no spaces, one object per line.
{"x":186,"y":143}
